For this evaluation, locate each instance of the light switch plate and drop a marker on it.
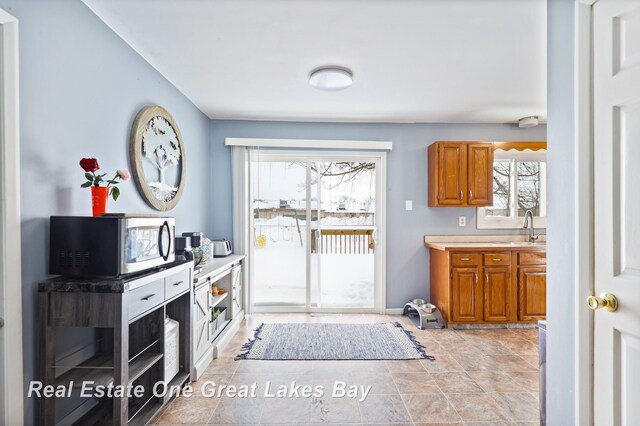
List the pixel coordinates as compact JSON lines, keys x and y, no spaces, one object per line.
{"x":408,"y":205}
{"x":462,"y":221}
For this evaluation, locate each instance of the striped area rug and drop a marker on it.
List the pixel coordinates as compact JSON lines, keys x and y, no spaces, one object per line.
{"x":301,"y":341}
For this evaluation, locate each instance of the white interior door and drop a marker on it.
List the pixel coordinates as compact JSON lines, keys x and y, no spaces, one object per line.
{"x":616,"y":32}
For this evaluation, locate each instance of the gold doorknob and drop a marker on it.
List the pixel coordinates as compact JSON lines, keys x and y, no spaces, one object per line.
{"x":606,"y":300}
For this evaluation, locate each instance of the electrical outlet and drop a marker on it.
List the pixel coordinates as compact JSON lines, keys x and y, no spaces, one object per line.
{"x":462,"y":221}
{"x":408,"y":205}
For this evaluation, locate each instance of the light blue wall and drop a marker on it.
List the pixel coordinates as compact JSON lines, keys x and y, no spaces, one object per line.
{"x":560,"y":248}
{"x":81,"y":87}
{"x":407,"y":258}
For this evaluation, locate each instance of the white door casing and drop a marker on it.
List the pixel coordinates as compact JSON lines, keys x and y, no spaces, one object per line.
{"x":583,"y":214}
{"x":616,"y":127}
{"x":241,"y":159}
{"x":11,"y":373}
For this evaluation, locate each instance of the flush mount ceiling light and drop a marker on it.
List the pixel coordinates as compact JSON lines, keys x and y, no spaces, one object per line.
{"x":331,"y":79}
{"x":528,"y":122}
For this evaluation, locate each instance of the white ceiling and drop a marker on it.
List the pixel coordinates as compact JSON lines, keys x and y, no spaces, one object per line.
{"x":413,"y":61}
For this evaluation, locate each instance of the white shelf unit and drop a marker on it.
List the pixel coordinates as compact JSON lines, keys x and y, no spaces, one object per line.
{"x":217,"y":299}
{"x":210,"y":335}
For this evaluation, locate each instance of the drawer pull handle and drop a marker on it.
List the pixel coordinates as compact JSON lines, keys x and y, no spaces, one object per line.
{"x":148,"y":297}
{"x":465,"y":259}
{"x":497,"y":259}
{"x":178,"y":283}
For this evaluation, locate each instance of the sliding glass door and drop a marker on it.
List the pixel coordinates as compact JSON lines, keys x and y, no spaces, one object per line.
{"x":315,"y":232}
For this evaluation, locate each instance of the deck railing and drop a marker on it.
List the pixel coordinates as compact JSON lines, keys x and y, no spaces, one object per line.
{"x":343,"y":241}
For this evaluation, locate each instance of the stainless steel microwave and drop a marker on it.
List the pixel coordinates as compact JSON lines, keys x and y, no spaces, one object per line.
{"x":109,"y":246}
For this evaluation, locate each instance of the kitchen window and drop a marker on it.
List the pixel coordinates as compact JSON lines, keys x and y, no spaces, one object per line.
{"x":519,"y":184}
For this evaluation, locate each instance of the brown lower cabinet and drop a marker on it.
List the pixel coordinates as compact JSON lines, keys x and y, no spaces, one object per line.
{"x":488,"y":286}
{"x":467,"y":295}
{"x":497,"y":291}
{"x":532,"y":293}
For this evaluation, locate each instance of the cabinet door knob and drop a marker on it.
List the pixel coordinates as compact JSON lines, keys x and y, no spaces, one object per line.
{"x":460,"y":195}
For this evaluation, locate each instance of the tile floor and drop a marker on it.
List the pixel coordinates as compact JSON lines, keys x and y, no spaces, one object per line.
{"x":478,"y":377}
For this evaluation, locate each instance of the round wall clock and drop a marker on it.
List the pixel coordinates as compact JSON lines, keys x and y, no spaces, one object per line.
{"x":157,"y":158}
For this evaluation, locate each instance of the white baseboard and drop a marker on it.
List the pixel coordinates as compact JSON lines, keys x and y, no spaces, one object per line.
{"x":200,"y":365}
{"x":394,"y":311}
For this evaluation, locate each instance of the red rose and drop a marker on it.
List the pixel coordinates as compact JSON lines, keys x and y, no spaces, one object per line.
{"x":89,"y":164}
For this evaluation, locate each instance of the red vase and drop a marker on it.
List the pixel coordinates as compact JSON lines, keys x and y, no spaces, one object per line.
{"x":99,"y":195}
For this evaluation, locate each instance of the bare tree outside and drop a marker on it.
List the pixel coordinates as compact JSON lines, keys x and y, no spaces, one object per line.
{"x":501,"y":189}
{"x":344,"y":171}
{"x":528,"y":187}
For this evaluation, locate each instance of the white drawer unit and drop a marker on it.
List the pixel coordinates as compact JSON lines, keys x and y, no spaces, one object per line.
{"x":177,"y":283}
{"x":144,"y":298}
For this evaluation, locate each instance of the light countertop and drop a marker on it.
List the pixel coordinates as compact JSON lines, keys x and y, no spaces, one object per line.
{"x":479,"y":242}
{"x":217,"y":265}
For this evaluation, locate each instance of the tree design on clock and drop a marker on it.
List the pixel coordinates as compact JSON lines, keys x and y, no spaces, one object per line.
{"x":157,"y":157}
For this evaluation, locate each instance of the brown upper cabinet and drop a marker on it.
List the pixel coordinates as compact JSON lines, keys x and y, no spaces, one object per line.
{"x":460,"y":174}
{"x":480,"y":174}
{"x":448,"y":174}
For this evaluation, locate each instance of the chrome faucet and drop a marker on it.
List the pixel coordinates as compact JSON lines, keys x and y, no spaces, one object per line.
{"x":533,"y":237}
